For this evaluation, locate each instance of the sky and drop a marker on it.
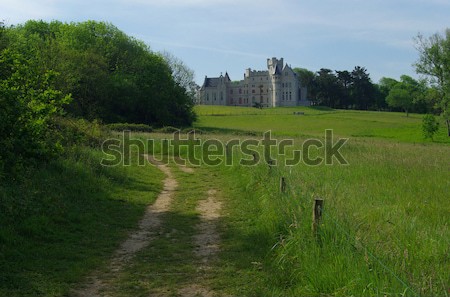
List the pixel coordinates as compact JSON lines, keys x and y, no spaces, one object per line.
{"x":218,"y":36}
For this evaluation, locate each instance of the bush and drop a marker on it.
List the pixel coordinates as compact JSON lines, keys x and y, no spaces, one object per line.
{"x":429,"y":126}
{"x":70,"y":132}
{"x":192,"y":130}
{"x":28,"y":102}
{"x":167,"y":129}
{"x":129,"y":127}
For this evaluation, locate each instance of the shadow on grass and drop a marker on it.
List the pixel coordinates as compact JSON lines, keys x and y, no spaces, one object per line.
{"x":63,"y":220}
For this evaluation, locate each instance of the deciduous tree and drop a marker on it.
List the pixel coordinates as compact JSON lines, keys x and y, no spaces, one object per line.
{"x":434,"y":62}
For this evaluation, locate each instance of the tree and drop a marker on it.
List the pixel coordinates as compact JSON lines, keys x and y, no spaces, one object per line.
{"x":406,"y":93}
{"x":327,"y":88}
{"x":181,"y":73}
{"x":434,"y":62}
{"x":111,"y":76}
{"x":307,"y":80}
{"x":399,"y":97}
{"x":429,"y":126}
{"x":363,"y":91}
{"x":345,"y":81}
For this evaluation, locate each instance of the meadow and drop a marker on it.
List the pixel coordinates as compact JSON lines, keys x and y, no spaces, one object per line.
{"x":384,"y":228}
{"x":345,"y":123}
{"x":385,"y":221}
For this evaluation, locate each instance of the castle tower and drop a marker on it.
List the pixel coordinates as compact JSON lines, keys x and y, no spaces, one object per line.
{"x":275,"y":68}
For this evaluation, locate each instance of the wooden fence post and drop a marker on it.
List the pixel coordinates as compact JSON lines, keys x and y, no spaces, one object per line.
{"x":317,"y":215}
{"x":282,"y":185}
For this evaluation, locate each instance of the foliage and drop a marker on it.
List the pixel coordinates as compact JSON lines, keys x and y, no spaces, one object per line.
{"x":181,"y":73}
{"x":434,"y":62}
{"x":111,"y":76}
{"x":405,"y":94}
{"x":130,"y":127}
{"x":429,"y":126}
{"x":78,"y":132}
{"x":340,"y":89}
{"x":28,"y":101}
{"x":167,"y":129}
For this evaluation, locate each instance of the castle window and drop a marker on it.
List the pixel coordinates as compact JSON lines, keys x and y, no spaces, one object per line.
{"x":290,"y":95}
{"x":240,"y":91}
{"x":253,"y":91}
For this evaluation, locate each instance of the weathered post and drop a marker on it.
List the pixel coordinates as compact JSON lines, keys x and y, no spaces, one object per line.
{"x":317,"y":215}
{"x":282,"y":185}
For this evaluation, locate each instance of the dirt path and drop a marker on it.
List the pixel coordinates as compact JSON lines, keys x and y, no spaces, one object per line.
{"x":138,"y":239}
{"x":207,"y":243}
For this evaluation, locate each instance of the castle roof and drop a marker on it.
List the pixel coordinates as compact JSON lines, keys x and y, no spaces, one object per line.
{"x":211,"y":82}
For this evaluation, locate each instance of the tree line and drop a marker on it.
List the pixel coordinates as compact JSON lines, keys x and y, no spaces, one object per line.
{"x":88,"y":70}
{"x":355,"y":90}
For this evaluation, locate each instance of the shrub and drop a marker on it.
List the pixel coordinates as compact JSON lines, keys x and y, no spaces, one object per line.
{"x":70,"y":132}
{"x":129,"y":127}
{"x":429,"y":126}
{"x":167,"y":129}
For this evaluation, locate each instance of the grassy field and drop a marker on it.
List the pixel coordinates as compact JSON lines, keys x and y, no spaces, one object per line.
{"x":385,"y":226}
{"x":384,"y":229}
{"x":345,"y":123}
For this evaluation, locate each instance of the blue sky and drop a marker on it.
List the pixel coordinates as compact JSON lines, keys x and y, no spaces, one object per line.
{"x":214,"y":36}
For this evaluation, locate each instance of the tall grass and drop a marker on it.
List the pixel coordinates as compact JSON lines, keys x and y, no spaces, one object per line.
{"x":384,"y":230}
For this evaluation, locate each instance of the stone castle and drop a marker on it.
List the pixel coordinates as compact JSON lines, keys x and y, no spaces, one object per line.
{"x":277,"y":86}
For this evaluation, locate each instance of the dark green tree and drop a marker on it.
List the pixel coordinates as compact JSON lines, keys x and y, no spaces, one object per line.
{"x":363,"y":91}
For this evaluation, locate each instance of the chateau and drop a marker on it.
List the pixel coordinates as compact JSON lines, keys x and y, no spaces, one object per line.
{"x":277,"y":86}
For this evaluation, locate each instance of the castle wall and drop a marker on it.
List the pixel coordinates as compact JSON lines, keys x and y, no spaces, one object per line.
{"x":277,"y":86}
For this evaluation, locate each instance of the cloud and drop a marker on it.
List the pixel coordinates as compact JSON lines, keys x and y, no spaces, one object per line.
{"x":206,"y":48}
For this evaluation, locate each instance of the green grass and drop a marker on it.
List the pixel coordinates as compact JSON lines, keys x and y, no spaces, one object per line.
{"x":345,"y":123}
{"x":61,"y":220}
{"x":384,"y":231}
{"x":391,"y":203}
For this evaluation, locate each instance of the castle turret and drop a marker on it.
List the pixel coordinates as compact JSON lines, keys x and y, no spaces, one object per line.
{"x":275,"y":68}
